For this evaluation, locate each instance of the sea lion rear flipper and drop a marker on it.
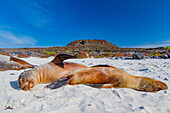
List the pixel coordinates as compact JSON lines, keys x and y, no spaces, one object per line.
{"x":22,"y":62}
{"x":57,"y":84}
{"x":58,"y":60}
{"x":100,"y":85}
{"x":150,"y":85}
{"x":95,"y":85}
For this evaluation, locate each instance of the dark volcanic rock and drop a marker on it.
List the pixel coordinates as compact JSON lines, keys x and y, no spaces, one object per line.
{"x":155,"y":57}
{"x":12,"y":74}
{"x":166,"y":79}
{"x":164,"y":56}
{"x":168,"y":55}
{"x":138,"y":56}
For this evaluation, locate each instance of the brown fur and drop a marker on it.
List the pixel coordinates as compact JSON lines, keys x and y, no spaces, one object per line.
{"x":14,"y":64}
{"x":22,"y":62}
{"x":114,"y":77}
{"x":80,"y":74}
{"x":47,"y":73}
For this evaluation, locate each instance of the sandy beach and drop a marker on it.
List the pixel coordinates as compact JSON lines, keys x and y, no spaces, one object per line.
{"x":85,"y":99}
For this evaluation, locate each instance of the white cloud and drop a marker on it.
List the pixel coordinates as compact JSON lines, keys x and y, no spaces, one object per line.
{"x":5,"y":27}
{"x":35,"y":14}
{"x":158,"y":44}
{"x":9,"y":40}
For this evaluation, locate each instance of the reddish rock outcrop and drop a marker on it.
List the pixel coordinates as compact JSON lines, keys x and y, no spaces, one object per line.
{"x":83,"y":54}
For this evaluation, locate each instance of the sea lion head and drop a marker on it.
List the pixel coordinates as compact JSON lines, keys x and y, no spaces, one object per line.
{"x":26,"y":80}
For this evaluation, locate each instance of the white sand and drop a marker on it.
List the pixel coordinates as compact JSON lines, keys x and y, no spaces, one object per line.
{"x":85,"y":99}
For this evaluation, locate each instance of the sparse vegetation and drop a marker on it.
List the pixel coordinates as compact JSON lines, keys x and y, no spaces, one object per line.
{"x":49,"y":53}
{"x":43,"y":56}
{"x":79,"y":56}
{"x":119,"y":55}
{"x":155,"y":54}
{"x":108,"y":54}
{"x":101,"y":56}
{"x":4,"y":53}
{"x":67,"y":51}
{"x":168,"y":47}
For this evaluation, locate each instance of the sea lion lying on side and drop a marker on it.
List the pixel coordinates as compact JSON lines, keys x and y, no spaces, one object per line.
{"x":48,"y":73}
{"x":11,"y":63}
{"x":106,"y":76}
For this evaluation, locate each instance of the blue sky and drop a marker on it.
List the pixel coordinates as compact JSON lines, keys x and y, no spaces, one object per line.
{"x":44,"y":23}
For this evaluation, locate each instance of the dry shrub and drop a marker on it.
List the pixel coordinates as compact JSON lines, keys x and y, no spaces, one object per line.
{"x":4,"y":53}
{"x":23,"y":56}
{"x":43,"y":56}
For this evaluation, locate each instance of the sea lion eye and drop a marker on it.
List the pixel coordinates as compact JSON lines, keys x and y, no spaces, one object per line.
{"x":23,"y":79}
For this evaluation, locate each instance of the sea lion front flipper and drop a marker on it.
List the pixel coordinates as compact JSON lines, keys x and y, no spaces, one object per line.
{"x":22,"y":62}
{"x":58,"y":60}
{"x":57,"y":84}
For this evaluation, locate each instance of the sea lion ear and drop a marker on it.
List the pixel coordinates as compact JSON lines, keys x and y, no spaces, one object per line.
{"x":58,"y":60}
{"x":22,"y":62}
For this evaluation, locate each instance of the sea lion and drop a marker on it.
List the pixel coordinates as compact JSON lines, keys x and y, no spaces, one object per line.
{"x":12,"y":63}
{"x":48,"y":73}
{"x":22,"y":62}
{"x":106,"y":76}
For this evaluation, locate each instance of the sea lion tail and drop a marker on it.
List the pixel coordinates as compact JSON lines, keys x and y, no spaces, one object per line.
{"x":57,"y":84}
{"x":151,"y":85}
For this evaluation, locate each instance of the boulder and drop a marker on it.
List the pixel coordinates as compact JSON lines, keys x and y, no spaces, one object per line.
{"x":138,"y":56}
{"x":164,"y":56}
{"x":83,"y":54}
{"x":168,"y":55}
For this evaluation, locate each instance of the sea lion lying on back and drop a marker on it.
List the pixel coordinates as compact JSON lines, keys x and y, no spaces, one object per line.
{"x":11,"y":63}
{"x":109,"y":77}
{"x":48,"y":73}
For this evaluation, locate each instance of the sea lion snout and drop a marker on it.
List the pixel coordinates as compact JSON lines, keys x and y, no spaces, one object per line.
{"x":25,"y":81}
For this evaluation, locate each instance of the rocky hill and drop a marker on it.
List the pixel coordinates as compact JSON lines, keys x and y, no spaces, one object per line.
{"x":93,"y":47}
{"x":91,"y":43}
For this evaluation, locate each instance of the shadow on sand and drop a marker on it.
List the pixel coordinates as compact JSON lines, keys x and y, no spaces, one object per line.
{"x":14,"y":84}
